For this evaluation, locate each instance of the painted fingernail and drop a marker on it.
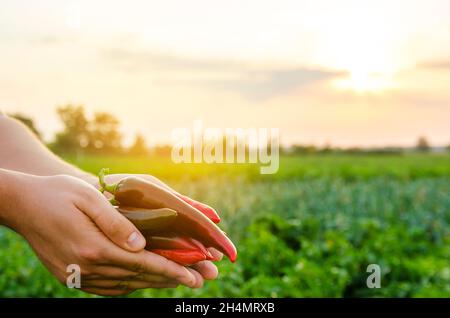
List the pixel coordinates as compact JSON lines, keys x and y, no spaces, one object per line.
{"x":135,"y":240}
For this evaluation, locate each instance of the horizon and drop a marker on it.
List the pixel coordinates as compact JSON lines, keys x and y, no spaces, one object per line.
{"x":350,"y":74}
{"x":126,"y":143}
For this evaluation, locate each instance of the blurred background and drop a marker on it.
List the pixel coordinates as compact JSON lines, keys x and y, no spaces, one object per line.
{"x":360,"y":91}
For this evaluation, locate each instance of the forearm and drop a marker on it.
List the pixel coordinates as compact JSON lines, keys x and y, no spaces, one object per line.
{"x":22,"y":151}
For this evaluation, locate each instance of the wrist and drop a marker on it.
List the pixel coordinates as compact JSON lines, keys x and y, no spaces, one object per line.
{"x":10,"y":184}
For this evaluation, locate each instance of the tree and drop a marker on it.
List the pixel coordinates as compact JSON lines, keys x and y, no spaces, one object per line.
{"x":303,"y":149}
{"x":74,"y":135}
{"x":104,"y":135}
{"x":422,"y":144}
{"x":100,"y":134}
{"x":28,"y":122}
{"x":327,"y":148}
{"x":139,"y":146}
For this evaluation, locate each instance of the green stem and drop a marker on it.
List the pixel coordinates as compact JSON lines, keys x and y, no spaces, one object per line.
{"x":111,"y":188}
{"x":113,"y":201}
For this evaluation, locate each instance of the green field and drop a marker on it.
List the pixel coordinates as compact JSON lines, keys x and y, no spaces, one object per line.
{"x":308,"y":231}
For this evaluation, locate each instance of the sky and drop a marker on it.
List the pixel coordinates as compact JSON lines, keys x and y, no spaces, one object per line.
{"x":345,"y":73}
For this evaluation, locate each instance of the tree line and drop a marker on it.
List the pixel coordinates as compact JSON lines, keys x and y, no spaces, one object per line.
{"x":100,"y":133}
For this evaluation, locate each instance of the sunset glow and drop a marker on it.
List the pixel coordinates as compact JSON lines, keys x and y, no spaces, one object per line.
{"x":317,"y":70}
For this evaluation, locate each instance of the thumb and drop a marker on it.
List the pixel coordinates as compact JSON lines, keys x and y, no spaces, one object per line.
{"x":112,"y":223}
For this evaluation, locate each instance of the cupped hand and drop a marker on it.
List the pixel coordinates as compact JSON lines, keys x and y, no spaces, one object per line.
{"x":206,"y":269}
{"x":68,"y":221}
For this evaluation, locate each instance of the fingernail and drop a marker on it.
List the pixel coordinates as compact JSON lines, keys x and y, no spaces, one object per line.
{"x":192,"y":280}
{"x":135,"y":240}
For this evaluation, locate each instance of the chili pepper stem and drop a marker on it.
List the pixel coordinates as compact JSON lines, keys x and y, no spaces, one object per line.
{"x":111,"y":188}
{"x":113,"y":201}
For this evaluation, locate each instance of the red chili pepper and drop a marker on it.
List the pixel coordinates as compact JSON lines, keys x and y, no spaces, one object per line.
{"x":149,"y":220}
{"x":190,"y":222}
{"x":182,"y":257}
{"x":176,"y":243}
{"x":205,"y":209}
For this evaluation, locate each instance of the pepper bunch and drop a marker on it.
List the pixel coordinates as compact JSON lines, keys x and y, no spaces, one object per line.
{"x":174,"y":226}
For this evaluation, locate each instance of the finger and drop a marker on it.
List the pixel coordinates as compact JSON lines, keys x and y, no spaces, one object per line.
{"x":107,"y":292}
{"x":146,"y":262}
{"x":114,"y":225}
{"x":116,"y":273}
{"x":207,"y":269}
{"x":198,"y":278}
{"x":112,"y":272}
{"x":217,"y":256}
{"x":127,"y":285}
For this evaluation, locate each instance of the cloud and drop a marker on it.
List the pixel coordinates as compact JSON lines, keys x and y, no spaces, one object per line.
{"x":264,"y":84}
{"x":253,"y":82}
{"x":438,"y":64}
{"x":144,"y":60}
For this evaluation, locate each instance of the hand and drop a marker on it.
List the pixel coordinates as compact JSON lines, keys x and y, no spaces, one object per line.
{"x":67,"y":221}
{"x":206,"y":269}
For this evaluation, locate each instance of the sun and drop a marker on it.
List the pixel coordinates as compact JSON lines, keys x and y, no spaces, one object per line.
{"x":365,"y":81}
{"x":362,"y":47}
{"x":370,"y":71}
